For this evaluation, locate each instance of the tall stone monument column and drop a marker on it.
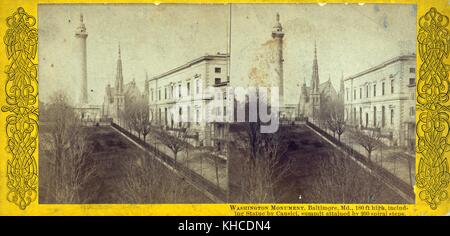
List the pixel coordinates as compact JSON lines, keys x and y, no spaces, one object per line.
{"x":277,"y":35}
{"x":81,"y":36}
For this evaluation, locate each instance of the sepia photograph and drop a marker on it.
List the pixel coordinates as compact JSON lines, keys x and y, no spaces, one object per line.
{"x":346,"y":79}
{"x":110,"y":77}
{"x":227,"y":103}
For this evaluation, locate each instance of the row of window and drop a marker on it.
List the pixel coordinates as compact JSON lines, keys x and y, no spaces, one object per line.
{"x":180,"y":111}
{"x":366,"y":123}
{"x":217,"y":70}
{"x":412,"y":82}
{"x":412,"y":112}
{"x":219,"y":112}
{"x":367,"y":91}
{"x":169,"y":91}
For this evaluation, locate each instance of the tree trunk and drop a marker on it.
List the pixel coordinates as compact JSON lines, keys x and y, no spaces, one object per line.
{"x":410,"y":172}
{"x":187,"y":157}
{"x":175,"y":156}
{"x":201,"y":165}
{"x":217,"y":172}
{"x":58,"y":168}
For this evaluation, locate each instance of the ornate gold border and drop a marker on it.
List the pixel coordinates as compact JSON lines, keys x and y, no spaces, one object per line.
{"x":21,"y":91}
{"x":432,"y":93}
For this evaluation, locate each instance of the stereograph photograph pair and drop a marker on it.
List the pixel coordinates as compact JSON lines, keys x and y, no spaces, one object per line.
{"x":227,"y":103}
{"x":116,"y":82}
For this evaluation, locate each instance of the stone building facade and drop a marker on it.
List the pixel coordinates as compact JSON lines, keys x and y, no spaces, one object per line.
{"x":383,"y":97}
{"x":180,"y":98}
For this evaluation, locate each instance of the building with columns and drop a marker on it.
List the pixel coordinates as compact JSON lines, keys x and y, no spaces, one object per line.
{"x":179,"y":98}
{"x":181,"y":92}
{"x":383,"y":97}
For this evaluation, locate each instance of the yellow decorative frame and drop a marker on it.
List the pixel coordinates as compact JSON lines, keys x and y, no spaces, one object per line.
{"x":19,"y":116}
{"x":433,"y":126}
{"x":21,"y":91}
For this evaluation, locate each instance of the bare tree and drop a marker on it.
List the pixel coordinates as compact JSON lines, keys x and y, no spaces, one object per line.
{"x":370,"y":140}
{"x":76,"y":171}
{"x":340,"y":180}
{"x":140,"y":181}
{"x":253,"y":137}
{"x":332,"y":113}
{"x":67,"y":149}
{"x":174,"y":139}
{"x":264,"y":163}
{"x":146,"y":126}
{"x":136,"y":115}
{"x":130,"y":114}
{"x":127,"y":113}
{"x":337,"y":117}
{"x":324,"y":114}
{"x":259,"y":179}
{"x":149,"y":181}
{"x":143,"y":117}
{"x":264,"y":166}
{"x":209,"y":153}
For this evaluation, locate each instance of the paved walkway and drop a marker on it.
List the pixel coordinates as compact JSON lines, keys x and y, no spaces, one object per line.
{"x":197,"y":160}
{"x":393,"y":159}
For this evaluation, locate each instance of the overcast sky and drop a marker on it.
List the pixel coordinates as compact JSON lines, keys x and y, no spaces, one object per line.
{"x":154,"y":39}
{"x":350,"y":38}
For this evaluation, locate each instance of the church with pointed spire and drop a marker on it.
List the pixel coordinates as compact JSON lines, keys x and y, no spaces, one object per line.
{"x":114,"y":100}
{"x":314,"y":95}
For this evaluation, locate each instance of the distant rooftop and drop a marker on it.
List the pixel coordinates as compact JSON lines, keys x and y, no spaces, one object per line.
{"x":382,"y":65}
{"x":191,"y":63}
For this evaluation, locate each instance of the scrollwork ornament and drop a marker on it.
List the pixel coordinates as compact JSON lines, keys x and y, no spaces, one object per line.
{"x":21,"y":89}
{"x":432,"y":104}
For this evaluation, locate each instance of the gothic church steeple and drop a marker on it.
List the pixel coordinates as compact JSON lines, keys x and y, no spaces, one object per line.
{"x":315,"y":92}
{"x":315,"y":73}
{"x":119,"y":74}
